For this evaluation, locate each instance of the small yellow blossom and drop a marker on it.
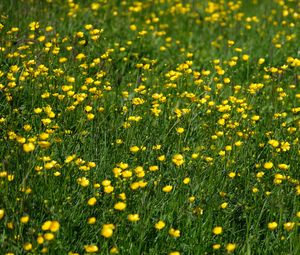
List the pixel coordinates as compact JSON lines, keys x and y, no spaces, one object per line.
{"x":28,"y":147}
{"x":92,"y":201}
{"x":167,"y":188}
{"x":2,"y":213}
{"x":268,"y":165}
{"x":160,"y":225}
{"x":133,"y":217}
{"x":120,"y":206}
{"x":272,"y":225}
{"x":230,"y":247}
{"x":91,"y":248}
{"x":107,"y":230}
{"x":178,"y":159}
{"x":217,"y":230}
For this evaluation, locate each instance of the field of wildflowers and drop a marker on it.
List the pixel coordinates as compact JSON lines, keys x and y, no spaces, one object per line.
{"x":149,"y":127}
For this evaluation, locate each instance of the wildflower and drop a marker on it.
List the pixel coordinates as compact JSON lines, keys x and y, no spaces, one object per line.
{"x":268,"y":165}
{"x":91,"y":248}
{"x":24,"y":219}
{"x":107,"y":230}
{"x":28,"y":147}
{"x":53,"y":226}
{"x":2,"y":213}
{"x":120,"y":206}
{"x":289,"y":226}
{"x":27,"y":246}
{"x":160,"y":225}
{"x":49,"y":236}
{"x":133,"y":217}
{"x":108,"y":189}
{"x":216,"y":246}
{"x":186,"y":180}
{"x":283,"y":166}
{"x":84,"y":182}
{"x":174,"y":232}
{"x":134,"y":149}
{"x":174,"y":253}
{"x":91,"y":220}
{"x":178,"y":159}
{"x":162,"y":158}
{"x":180,"y":130}
{"x":167,"y":188}
{"x":40,"y":239}
{"x":245,"y":57}
{"x":274,"y":143}
{"x":231,"y":175}
{"x":92,"y":201}
{"x":114,"y":250}
{"x":217,"y":230}
{"x":224,"y":205}
{"x":230,"y":247}
{"x":153,"y":168}
{"x":272,"y":225}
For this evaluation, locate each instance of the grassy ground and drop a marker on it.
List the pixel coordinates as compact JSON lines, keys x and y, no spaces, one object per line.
{"x":152,"y":127}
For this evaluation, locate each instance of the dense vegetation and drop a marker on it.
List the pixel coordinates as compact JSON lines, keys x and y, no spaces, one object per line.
{"x":149,"y":127}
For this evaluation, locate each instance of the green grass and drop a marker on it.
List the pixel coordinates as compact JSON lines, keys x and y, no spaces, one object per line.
{"x":196,"y":65}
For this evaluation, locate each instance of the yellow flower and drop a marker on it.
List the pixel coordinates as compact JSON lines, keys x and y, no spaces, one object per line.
{"x":285,"y":146}
{"x":230,"y":247}
{"x":178,"y":159}
{"x":24,"y":219}
{"x":28,"y":147}
{"x":162,"y":158}
{"x":174,"y":232}
{"x":34,"y":25}
{"x":133,"y":27}
{"x":261,"y":61}
{"x":167,"y":188}
{"x":174,"y":253}
{"x":46,"y":225}
{"x":216,"y":246}
{"x":272,"y":225}
{"x":217,"y":230}
{"x":107,"y":230}
{"x":2,"y":213}
{"x":27,"y":246}
{"x":108,"y":189}
{"x":153,"y":168}
{"x":160,"y":225}
{"x":274,"y":143}
{"x":283,"y":166}
{"x":245,"y":57}
{"x":49,"y":236}
{"x":91,"y":220}
{"x":120,"y":206}
{"x":231,"y":175}
{"x":92,"y":201}
{"x":133,"y":217}
{"x":84,"y":182}
{"x":224,"y":205}
{"x":54,"y":226}
{"x":186,"y":180}
{"x":91,"y":248}
{"x":268,"y":165}
{"x":180,"y":130}
{"x":114,"y":250}
{"x":134,"y":149}
{"x":289,"y":226}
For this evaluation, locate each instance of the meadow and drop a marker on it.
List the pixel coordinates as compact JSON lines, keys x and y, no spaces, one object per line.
{"x":155,"y":127}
